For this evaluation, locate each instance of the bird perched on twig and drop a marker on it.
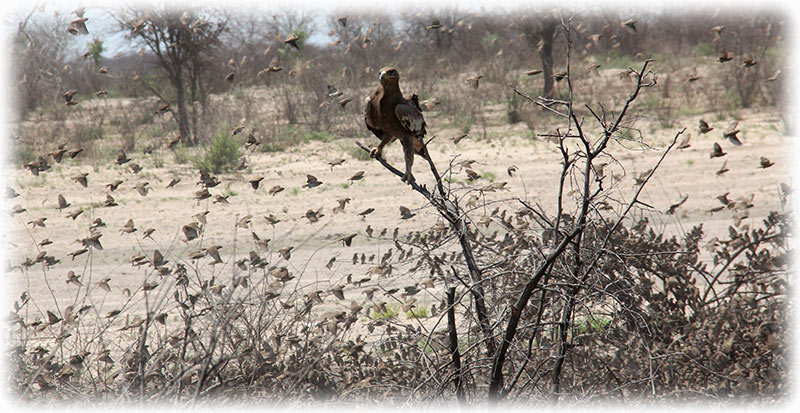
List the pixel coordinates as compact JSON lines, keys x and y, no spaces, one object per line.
{"x":391,"y":116}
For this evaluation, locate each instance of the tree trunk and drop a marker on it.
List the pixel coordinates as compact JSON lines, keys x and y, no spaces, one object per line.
{"x":547,"y":31}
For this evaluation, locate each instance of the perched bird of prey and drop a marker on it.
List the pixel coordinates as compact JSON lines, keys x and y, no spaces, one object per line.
{"x":391,"y":116}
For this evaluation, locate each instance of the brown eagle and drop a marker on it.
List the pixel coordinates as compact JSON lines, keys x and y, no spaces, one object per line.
{"x":390,"y":116}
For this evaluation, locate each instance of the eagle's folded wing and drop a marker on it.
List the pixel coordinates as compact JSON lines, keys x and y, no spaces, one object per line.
{"x":411,"y":119}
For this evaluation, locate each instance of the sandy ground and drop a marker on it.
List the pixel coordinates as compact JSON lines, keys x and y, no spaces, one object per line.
{"x":684,"y":172}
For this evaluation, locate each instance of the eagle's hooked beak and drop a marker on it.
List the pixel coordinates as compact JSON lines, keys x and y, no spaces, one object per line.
{"x":382,"y":75}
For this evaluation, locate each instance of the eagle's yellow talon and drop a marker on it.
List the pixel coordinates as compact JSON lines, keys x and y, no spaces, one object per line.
{"x":373,"y":153}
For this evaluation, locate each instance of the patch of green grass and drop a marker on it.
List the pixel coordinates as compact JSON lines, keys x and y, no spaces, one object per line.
{"x":289,"y":136}
{"x":489,"y":176}
{"x":592,"y":325}
{"x":390,"y":313}
{"x":418,"y":312}
{"x":704,"y":49}
{"x":689,"y":162}
{"x":294,"y":191}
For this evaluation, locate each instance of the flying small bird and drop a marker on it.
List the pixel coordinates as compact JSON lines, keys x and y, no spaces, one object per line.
{"x":272,"y":219}
{"x":684,"y":143}
{"x":38,"y":222}
{"x":128,"y":228}
{"x":229,"y":77}
{"x":511,"y":169}
{"x":471,"y":175}
{"x":333,"y":92}
{"x":275,"y":189}
{"x":731,"y":132}
{"x":213,"y":252}
{"x":774,"y":77}
{"x":103,"y":70}
{"x":722,"y":169}
{"x":135,"y":168}
{"x":342,"y":203}
{"x":348,"y":240}
{"x":58,"y":154}
{"x":110,"y":202}
{"x":17,"y":209}
{"x":122,"y":157}
{"x":724,"y":56}
{"x":11,"y":193}
{"x":563,"y":75}
{"x":435,"y":24}
{"x":142,"y":188}
{"x":221,"y":199}
{"x":191,"y":231}
{"x":114,"y":185}
{"x":201,"y":217}
{"x":717,"y":152}
{"x":458,"y":138}
{"x":148,"y":233}
{"x":286,"y":252}
{"x":356,"y":177}
{"x":344,"y":101}
{"x":474,"y":81}
{"x":429,"y":104}
{"x":533,"y":72}
{"x":73,"y":278}
{"x":717,"y":31}
{"x":69,"y":95}
{"x":336,"y":162}
{"x":202,"y":194}
{"x":75,"y":253}
{"x":337,"y":291}
{"x":747,"y":61}
{"x":673,"y":207}
{"x":81,"y":179}
{"x":630,"y":24}
{"x":73,"y":153}
{"x":765,"y":163}
{"x":255,"y":182}
{"x":173,"y":182}
{"x":366,"y":212}
{"x":405,"y":213}
{"x":311,"y":182}
{"x":314,"y":216}
{"x":342,"y":20}
{"x":78,"y":26}
{"x":251,"y":142}
{"x":164,"y":108}
{"x":97,"y":223}
{"x":704,"y":127}
{"x":723,"y":199}
{"x":292,"y":41}
{"x":62,"y":202}
{"x":173,"y":143}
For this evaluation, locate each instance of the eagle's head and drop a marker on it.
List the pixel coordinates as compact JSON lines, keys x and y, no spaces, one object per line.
{"x":389,"y":74}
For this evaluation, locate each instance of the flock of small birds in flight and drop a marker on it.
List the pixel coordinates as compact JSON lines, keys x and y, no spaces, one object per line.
{"x":194,"y":229}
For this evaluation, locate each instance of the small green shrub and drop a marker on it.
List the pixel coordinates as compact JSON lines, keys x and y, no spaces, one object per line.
{"x":221,"y":155}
